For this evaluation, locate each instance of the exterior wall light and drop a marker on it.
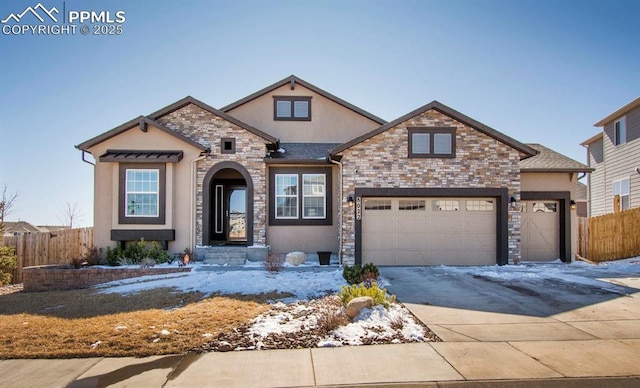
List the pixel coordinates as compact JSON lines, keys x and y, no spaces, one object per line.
{"x":512,"y":200}
{"x":572,"y":204}
{"x":350,"y":200}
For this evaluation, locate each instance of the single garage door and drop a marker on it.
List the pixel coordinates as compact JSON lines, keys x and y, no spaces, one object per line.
{"x":540,"y":231}
{"x":429,"y":231}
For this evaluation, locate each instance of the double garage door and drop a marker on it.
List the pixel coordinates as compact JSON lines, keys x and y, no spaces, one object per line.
{"x":451,"y":231}
{"x":429,"y":231}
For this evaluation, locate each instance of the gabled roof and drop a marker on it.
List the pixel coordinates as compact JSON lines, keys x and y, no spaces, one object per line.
{"x":547,"y":160}
{"x":141,"y":120}
{"x":435,"y":105}
{"x":20,"y":227}
{"x":190,"y":100}
{"x":593,"y":138}
{"x":620,"y":112}
{"x":292,"y":80}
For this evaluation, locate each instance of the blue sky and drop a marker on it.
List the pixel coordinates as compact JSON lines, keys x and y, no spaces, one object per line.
{"x":539,"y":71}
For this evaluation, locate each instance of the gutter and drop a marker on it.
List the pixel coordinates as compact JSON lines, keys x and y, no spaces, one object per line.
{"x":340,"y":185}
{"x":192,"y":197}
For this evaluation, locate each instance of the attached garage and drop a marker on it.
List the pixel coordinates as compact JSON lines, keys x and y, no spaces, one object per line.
{"x":429,"y":231}
{"x":540,"y":230}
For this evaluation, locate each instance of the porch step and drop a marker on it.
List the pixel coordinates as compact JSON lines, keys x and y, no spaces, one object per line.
{"x":222,"y":255}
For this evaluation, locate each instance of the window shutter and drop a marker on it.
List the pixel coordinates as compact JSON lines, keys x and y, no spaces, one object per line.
{"x":283,"y":108}
{"x":420,"y":143}
{"x":301,"y":109}
{"x":442,"y":143}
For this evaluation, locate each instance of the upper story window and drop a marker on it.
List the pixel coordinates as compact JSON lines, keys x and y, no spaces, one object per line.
{"x":621,"y":195}
{"x":620,"y":131}
{"x":432,"y":142}
{"x":292,"y":108}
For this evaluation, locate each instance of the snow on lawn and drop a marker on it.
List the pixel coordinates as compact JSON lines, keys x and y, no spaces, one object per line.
{"x":303,"y":284}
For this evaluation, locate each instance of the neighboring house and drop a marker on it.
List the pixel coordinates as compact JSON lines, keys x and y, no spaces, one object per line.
{"x":20,"y":228}
{"x":582,"y":196}
{"x":299,"y":169}
{"x":614,"y":153}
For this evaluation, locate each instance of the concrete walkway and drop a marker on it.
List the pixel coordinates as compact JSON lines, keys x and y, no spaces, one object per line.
{"x":593,"y":344}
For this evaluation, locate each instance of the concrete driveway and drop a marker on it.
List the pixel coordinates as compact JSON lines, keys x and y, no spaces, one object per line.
{"x":571,"y":302}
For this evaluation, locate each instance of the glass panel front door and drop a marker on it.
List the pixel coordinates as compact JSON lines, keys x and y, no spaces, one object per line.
{"x":237,"y":214}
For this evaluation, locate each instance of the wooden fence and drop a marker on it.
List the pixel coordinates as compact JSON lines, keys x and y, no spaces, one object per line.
{"x":610,"y":237}
{"x":49,"y":248}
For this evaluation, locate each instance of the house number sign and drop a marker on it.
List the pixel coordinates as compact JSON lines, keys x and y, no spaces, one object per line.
{"x":358,"y":208}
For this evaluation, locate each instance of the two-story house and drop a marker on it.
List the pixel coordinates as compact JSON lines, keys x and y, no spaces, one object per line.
{"x":292,"y":167}
{"x":614,"y":153}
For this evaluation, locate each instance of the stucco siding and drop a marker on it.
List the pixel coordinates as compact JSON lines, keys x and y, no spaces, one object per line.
{"x":330,"y":122}
{"x":309,"y":238}
{"x":107,"y":187}
{"x":382,"y":162}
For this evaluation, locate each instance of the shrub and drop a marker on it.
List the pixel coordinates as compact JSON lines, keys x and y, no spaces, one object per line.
{"x":136,"y":252}
{"x":330,"y":315}
{"x":8,"y":262}
{"x":357,"y":274}
{"x":273,"y":263}
{"x":379,"y":295}
{"x":92,"y":257}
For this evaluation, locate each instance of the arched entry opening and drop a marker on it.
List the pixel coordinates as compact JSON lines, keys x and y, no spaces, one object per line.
{"x":227,"y":206}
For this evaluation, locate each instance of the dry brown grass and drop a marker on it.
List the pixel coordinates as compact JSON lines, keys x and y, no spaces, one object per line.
{"x":67,"y":323}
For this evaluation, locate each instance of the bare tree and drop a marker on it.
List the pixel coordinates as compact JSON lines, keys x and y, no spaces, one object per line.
{"x":70,"y":214}
{"x":6,"y":203}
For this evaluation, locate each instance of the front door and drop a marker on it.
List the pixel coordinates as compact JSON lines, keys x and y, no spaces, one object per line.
{"x":229,"y":218}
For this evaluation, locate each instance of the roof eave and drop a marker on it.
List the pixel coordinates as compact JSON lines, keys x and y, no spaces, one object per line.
{"x":618,"y":113}
{"x":191,"y":100}
{"x":567,"y":170}
{"x":592,"y":139}
{"x":297,"y":161}
{"x":309,"y":86}
{"x":523,"y":148}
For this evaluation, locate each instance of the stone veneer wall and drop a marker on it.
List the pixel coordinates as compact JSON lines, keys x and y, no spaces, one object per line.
{"x":56,"y":278}
{"x":382,"y":162}
{"x":208,"y":129}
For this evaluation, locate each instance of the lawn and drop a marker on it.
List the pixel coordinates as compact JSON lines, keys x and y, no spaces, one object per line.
{"x":89,"y":323}
{"x":207,"y":309}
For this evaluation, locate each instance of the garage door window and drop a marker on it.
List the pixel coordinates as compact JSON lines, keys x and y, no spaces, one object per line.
{"x":377,"y":204}
{"x":544,"y":207}
{"x":411,"y":205}
{"x":442,"y":205}
{"x":480,"y":206}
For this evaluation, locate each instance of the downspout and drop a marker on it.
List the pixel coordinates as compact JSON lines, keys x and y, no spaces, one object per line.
{"x":85,"y":160}
{"x":340,"y":184}
{"x":192,"y":199}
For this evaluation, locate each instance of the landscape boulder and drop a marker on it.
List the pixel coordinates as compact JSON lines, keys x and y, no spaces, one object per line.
{"x":295,"y":258}
{"x":356,"y":305}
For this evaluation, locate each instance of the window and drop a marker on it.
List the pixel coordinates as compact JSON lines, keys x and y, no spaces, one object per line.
{"x":286,"y":196}
{"x":621,"y":195}
{"x":292,"y":108}
{"x":313,"y":196}
{"x":300,"y":196}
{"x":620,"y":131}
{"x":377,"y":204}
{"x":228,"y":145}
{"x":411,"y":204}
{"x":437,"y":142}
{"x":544,"y":207}
{"x":479,"y":205}
{"x":442,"y":205}
{"x":142,"y":193}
